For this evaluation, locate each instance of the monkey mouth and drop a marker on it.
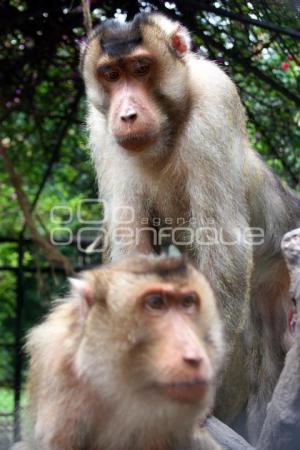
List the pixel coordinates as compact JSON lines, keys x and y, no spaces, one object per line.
{"x":137,"y":141}
{"x":190,"y":391}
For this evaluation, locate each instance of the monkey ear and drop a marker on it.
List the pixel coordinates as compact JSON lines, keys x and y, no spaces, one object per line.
{"x":83,"y":289}
{"x":177,"y":35}
{"x":180,"y":40}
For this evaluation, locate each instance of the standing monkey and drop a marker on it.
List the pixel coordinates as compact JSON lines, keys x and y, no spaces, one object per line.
{"x":128,"y":361}
{"x":168,"y":138}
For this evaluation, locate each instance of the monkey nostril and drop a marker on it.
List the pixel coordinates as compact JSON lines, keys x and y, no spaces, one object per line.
{"x":129,"y":117}
{"x":193,"y":361}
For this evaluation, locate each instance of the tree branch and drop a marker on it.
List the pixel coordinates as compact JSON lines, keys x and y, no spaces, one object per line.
{"x":203,"y":6}
{"x":55,"y":151}
{"x":225,"y":436}
{"x":51,"y":252}
{"x":246,"y":63}
{"x":87,"y":18}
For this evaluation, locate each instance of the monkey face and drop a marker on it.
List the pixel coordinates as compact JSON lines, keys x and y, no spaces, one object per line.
{"x":154,"y":330}
{"x":177,"y":358}
{"x":128,"y":73}
{"x":133,"y":115}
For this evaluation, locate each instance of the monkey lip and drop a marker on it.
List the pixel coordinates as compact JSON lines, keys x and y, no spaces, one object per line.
{"x":190,"y":391}
{"x":137,"y":141}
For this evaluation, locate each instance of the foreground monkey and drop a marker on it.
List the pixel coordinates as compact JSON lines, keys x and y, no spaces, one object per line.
{"x":168,"y":136}
{"x":128,"y":361}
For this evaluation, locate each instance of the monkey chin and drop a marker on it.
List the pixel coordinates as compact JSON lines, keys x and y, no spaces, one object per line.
{"x":137,"y":142}
{"x":185,"y":391}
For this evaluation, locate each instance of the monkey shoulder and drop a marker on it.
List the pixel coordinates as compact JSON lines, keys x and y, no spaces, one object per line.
{"x":52,"y":337}
{"x":215,"y":95}
{"x":208,"y":77}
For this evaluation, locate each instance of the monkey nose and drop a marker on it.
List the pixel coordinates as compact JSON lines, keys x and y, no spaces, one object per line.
{"x":129,"y":115}
{"x":192,"y":360}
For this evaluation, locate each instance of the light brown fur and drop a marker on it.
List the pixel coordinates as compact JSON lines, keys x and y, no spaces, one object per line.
{"x":104,"y":365}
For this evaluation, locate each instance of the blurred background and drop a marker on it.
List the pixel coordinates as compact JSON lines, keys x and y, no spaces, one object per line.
{"x":48,"y":186}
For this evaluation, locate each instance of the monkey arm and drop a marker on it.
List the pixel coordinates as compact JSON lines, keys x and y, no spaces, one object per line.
{"x":128,"y":228}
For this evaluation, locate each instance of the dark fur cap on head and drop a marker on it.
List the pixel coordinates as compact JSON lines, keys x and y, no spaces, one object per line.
{"x":118,"y":39}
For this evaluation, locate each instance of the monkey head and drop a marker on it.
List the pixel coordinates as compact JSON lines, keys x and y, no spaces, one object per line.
{"x":129,"y":360}
{"x":136,"y":76}
{"x":151,"y":331}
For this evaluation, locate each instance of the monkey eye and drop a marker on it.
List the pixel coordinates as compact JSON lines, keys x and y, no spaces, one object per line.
{"x":112,"y":75}
{"x":189,"y":302}
{"x":141,"y":66}
{"x":155,"y":302}
{"x":108,"y":72}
